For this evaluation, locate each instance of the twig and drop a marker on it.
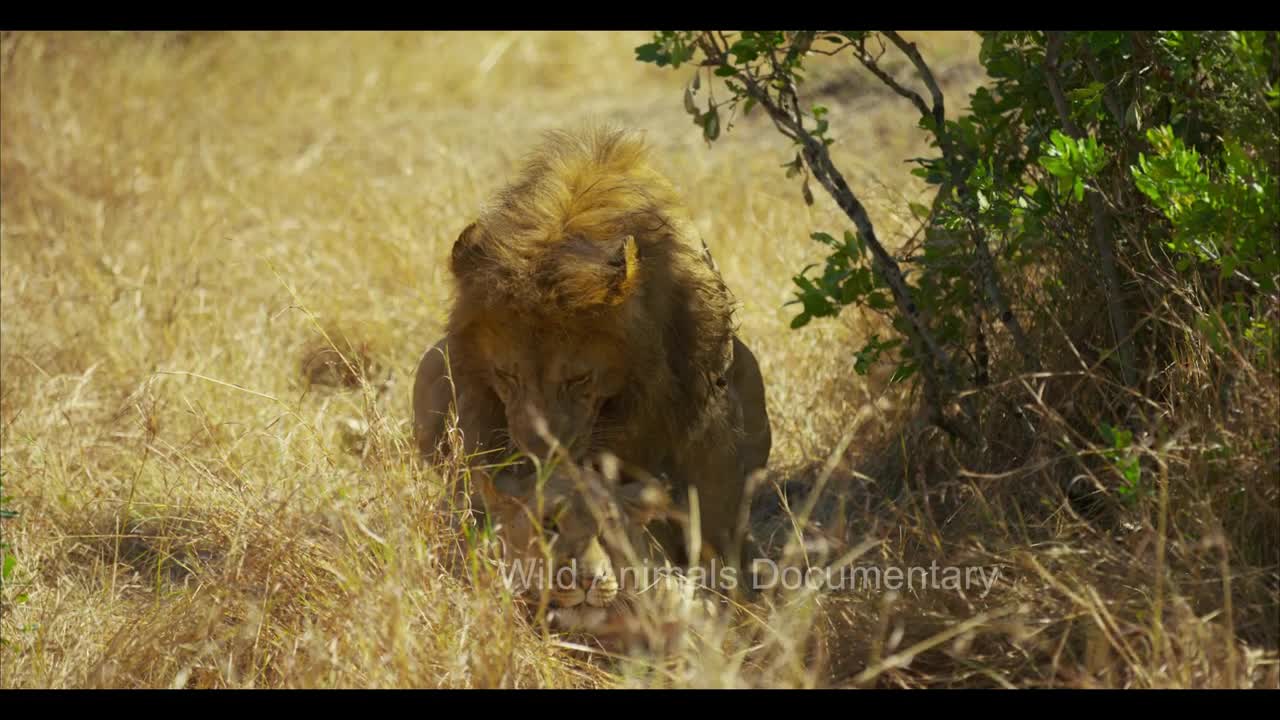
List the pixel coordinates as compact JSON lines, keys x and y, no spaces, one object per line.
{"x":1108,"y":97}
{"x":910,"y":50}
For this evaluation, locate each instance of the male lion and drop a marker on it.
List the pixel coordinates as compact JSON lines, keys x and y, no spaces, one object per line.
{"x":588,"y":318}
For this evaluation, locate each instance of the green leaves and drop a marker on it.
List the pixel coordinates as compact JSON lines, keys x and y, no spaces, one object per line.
{"x":668,"y":48}
{"x":820,"y":115}
{"x":9,"y":561}
{"x":1087,"y":101}
{"x":709,"y":121}
{"x":1073,"y":162}
{"x":689,"y":105}
{"x":5,"y":513}
{"x":919,"y":212}
{"x":1176,"y":123}
{"x":756,"y":66}
{"x":746,"y":49}
{"x":847,"y":279}
{"x":795,"y":167}
{"x":1224,"y":213}
{"x":1125,"y":460}
{"x":870,"y":353}
{"x":711,"y":124}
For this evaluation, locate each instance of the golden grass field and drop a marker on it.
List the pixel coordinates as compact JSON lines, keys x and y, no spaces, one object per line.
{"x":186,"y":216}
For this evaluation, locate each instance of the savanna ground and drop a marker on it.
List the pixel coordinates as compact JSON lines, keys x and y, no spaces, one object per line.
{"x":188,"y":218}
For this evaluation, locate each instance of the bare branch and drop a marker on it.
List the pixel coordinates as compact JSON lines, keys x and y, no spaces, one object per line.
{"x":940,"y":379}
{"x":798,"y":115}
{"x":1108,"y":97}
{"x":986,"y":263}
{"x":909,"y":49}
{"x":934,"y":361}
{"x":870,"y":64}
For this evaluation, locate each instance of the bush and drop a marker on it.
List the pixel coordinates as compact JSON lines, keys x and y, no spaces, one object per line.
{"x":1094,"y":297}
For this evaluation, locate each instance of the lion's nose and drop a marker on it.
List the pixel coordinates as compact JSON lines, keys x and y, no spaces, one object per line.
{"x":533,"y":446}
{"x":536,"y":439}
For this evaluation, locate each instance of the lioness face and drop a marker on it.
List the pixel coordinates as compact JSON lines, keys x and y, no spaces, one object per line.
{"x":567,"y":534}
{"x":552,"y":384}
{"x":572,"y":537}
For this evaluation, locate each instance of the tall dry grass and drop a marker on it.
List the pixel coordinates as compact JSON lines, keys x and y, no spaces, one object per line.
{"x":187,"y":219}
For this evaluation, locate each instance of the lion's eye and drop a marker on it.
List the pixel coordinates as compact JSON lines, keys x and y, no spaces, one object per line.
{"x":578,"y":382}
{"x":505,"y":376}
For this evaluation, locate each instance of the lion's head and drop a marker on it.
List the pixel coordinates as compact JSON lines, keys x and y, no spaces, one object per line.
{"x":585,"y":308}
{"x":553,"y":379}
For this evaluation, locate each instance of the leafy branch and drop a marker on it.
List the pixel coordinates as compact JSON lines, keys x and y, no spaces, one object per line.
{"x":762,"y":69}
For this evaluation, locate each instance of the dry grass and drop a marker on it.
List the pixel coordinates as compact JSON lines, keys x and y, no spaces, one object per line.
{"x":189,"y":221}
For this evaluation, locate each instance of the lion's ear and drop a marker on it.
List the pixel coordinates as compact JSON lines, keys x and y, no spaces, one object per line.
{"x":584,"y":273}
{"x":468,"y":251}
{"x":624,"y":271}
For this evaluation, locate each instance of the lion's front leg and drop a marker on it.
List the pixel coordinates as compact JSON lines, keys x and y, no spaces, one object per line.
{"x":746,"y":393}
{"x":446,"y":399}
{"x":714,"y":471}
{"x":432,"y":398}
{"x":439,"y":390}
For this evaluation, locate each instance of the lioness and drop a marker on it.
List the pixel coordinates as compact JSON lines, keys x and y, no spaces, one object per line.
{"x":587,"y":318}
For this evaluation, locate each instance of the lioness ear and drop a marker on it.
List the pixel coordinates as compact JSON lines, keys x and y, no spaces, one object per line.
{"x":644,"y":501}
{"x":468,"y":251}
{"x":625,"y":270}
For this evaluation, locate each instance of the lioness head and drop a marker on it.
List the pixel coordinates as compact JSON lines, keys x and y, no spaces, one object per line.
{"x":571,"y":535}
